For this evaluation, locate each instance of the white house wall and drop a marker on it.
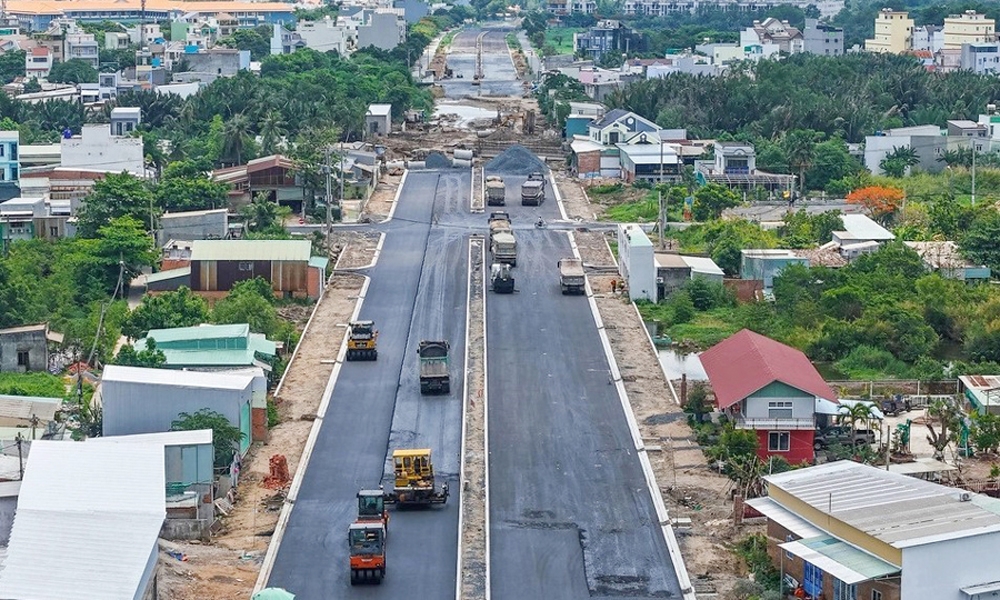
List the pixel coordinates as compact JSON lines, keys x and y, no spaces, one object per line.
{"x":938,"y":571}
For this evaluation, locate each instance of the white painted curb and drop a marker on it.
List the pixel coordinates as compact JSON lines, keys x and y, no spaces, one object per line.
{"x":465,"y":404}
{"x":687,"y":590}
{"x":486,"y":426}
{"x":656,"y":353}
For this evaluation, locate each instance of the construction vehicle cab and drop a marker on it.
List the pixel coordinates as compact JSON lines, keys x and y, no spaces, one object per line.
{"x":434,"y":377}
{"x":362,"y":341}
{"x":501,"y":279}
{"x":371,"y":507}
{"x":414,"y":479}
{"x":367,"y":545}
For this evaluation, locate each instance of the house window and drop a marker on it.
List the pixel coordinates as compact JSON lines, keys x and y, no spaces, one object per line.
{"x":876,"y":595}
{"x":246,"y":266}
{"x":779,"y":409}
{"x":22,"y":359}
{"x":812,"y":580}
{"x":53,"y":232}
{"x":778,"y":441}
{"x":844,"y":591}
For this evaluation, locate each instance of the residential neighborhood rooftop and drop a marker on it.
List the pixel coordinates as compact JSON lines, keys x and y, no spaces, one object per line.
{"x":747,"y":361}
{"x":899,"y":510}
{"x":862,"y":227}
{"x":195,"y":437}
{"x":26,"y":407}
{"x":200,"y":332}
{"x":941,"y":255}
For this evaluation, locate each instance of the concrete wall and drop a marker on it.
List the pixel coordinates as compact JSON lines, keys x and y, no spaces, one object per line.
{"x":937,"y":571}
{"x":324,"y":36}
{"x":673,"y":278}
{"x":142,"y":408}
{"x":201,"y":225}
{"x":8,"y":504}
{"x":147,"y":588}
{"x":218,"y":62}
{"x":382,"y":31}
{"x":96,"y":148}
{"x":636,"y":262}
{"x":929,"y":148}
{"x":32,"y":342}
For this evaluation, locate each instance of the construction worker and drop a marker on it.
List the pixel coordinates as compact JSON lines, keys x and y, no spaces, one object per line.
{"x":614,"y":286}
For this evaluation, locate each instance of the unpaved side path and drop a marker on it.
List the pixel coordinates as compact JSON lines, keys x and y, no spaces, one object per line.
{"x":357,"y":248}
{"x":575,"y":201}
{"x":690,"y":488}
{"x":229,"y":565}
{"x":474,"y":525}
{"x":380,"y":204}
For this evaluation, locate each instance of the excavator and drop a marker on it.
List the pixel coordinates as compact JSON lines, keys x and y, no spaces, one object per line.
{"x":414,"y":480}
{"x":362,"y":341}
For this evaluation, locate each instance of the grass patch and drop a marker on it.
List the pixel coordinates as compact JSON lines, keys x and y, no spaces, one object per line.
{"x":448,"y":37}
{"x":32,"y":384}
{"x":704,"y":329}
{"x":561,"y":38}
{"x":633,"y":212}
{"x":513,"y":43}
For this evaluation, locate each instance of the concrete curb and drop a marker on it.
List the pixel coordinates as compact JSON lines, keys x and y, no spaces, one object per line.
{"x":465,"y":404}
{"x":652,"y":345}
{"x":559,"y":202}
{"x":687,"y":590}
{"x":305,"y":330}
{"x":293,"y":491}
{"x":472,"y":192}
{"x":486,"y":421}
{"x":395,"y":201}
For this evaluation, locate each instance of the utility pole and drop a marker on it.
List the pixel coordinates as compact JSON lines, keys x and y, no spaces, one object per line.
{"x":142,"y":25}
{"x":329,"y":200}
{"x":663,"y":221}
{"x":342,"y":179}
{"x":973,"y":171}
{"x":20,"y":459}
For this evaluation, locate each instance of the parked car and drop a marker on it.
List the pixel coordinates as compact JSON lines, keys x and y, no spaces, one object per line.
{"x":842,"y":435}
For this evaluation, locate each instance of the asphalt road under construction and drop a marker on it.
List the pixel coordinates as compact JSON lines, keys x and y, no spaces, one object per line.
{"x":499,"y":74}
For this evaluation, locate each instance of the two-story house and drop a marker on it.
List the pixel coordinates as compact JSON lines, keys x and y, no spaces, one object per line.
{"x":735,"y":166}
{"x":771,"y":388}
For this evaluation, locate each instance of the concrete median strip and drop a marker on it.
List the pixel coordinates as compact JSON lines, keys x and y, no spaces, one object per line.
{"x":477,"y":202}
{"x":662,"y":516}
{"x":473,"y":516}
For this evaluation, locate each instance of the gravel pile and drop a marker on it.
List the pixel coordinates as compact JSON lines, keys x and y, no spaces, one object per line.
{"x":436,"y":160}
{"x":516,"y":160}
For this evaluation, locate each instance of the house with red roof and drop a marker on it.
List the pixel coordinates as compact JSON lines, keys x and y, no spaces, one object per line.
{"x":769,"y":387}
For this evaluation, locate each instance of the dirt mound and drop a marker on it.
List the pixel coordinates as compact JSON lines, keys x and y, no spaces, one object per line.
{"x":436,"y":160}
{"x":516,"y":160}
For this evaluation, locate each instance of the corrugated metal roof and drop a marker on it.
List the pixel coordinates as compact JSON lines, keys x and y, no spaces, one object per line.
{"x":200,"y":332}
{"x":862,"y":227}
{"x":169,"y":377}
{"x":319,"y":262}
{"x":786,"y":518}
{"x":702,"y":264}
{"x":212,"y":358}
{"x":87,"y":521}
{"x":23,"y":407}
{"x":899,"y":510}
{"x":746,"y":362}
{"x":197,"y":437}
{"x":24,"y":328}
{"x":379,"y":110}
{"x":845,"y":562}
{"x":168,"y":274}
{"x":273,"y":250}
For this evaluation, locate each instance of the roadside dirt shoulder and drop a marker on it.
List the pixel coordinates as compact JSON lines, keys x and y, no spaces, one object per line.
{"x":380,"y":204}
{"x":356,"y":249}
{"x":690,"y":488}
{"x":575,"y":201}
{"x":228,"y":566}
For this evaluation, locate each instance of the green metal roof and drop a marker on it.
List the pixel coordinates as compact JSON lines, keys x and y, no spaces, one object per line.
{"x":853,"y":558}
{"x":260,"y":344}
{"x":319,"y":261}
{"x":210,"y":358}
{"x":200,"y":332}
{"x":274,"y":250}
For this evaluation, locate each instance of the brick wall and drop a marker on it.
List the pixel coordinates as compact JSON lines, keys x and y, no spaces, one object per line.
{"x":588,"y":162}
{"x":258,"y":424}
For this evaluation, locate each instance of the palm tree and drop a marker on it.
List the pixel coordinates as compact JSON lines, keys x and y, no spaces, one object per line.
{"x":272,"y":132}
{"x":897,"y":162}
{"x":800,"y":148}
{"x":234,"y":138}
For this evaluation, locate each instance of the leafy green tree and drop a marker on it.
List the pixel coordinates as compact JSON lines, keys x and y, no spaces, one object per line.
{"x":979,"y":243}
{"x":236,"y":140}
{"x":13,"y":299}
{"x":697,"y":403}
{"x":32,"y":86}
{"x":262,"y":214}
{"x":12,"y":65}
{"x":831,"y":162}
{"x":257,"y":41}
{"x":73,"y":71}
{"x":116,"y":195}
{"x":149,"y":357}
{"x":710,"y":200}
{"x":165,"y":311}
{"x":226,"y":437}
{"x":249,"y":302}
{"x":272,"y":132}
{"x":124,"y":243}
{"x":985,"y":432}
{"x":190,"y":192}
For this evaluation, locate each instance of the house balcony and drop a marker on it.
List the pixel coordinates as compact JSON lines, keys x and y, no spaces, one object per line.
{"x":774,"y":424}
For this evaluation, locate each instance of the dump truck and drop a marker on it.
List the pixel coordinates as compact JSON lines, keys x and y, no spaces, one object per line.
{"x":414,"y":479}
{"x":434,"y":377}
{"x":501,"y":279}
{"x":533,"y":190}
{"x":367,"y":544}
{"x":503,"y":248}
{"x":571,"y":277}
{"x":496,"y":192}
{"x":499,"y":221}
{"x":362,"y":341}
